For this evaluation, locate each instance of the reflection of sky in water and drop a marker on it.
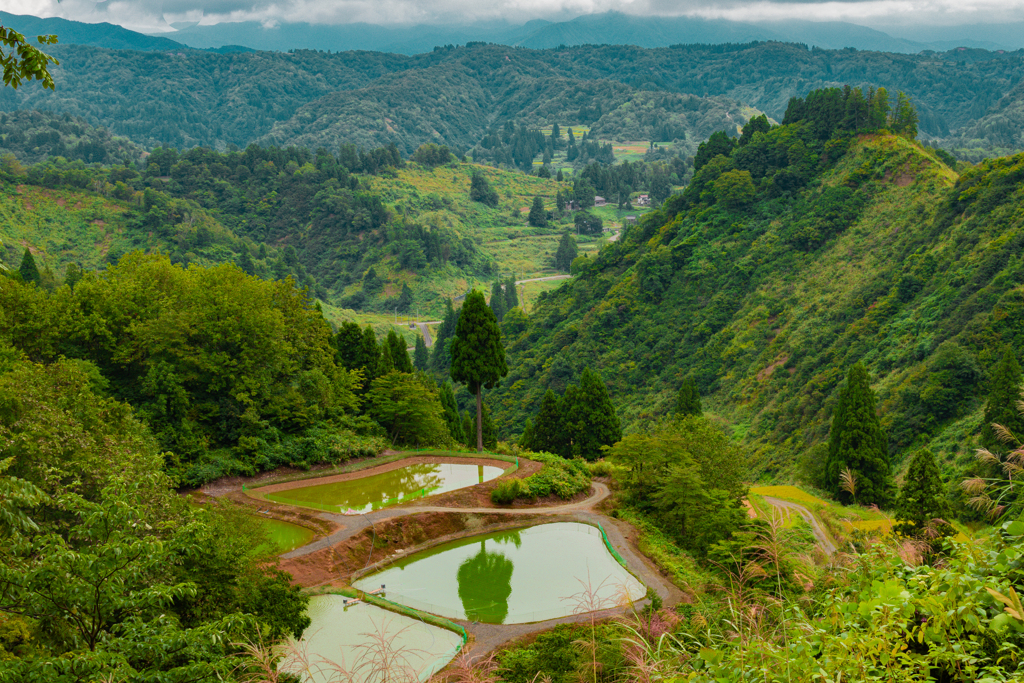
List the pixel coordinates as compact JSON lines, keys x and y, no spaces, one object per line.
{"x":374,"y":492}
{"x":530,"y":575}
{"x":337,"y":634}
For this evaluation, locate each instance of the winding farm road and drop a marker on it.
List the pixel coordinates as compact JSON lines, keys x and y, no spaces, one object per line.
{"x":822,"y":538}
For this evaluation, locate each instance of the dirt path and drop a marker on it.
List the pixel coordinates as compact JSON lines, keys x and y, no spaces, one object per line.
{"x":542,"y":279}
{"x":487,"y":637}
{"x":350,"y":525}
{"x":824,"y":542}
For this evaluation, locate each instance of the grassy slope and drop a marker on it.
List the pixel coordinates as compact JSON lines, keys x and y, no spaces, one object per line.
{"x":773,"y":368}
{"x":440,"y":197}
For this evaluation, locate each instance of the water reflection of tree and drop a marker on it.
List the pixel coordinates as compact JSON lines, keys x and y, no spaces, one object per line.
{"x":406,"y":481}
{"x":485,"y":581}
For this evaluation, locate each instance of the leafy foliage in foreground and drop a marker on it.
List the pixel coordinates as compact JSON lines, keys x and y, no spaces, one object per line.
{"x":559,"y":477}
{"x":104,"y":569}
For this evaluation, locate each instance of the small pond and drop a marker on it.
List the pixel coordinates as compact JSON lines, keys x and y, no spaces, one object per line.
{"x":285,"y":536}
{"x":358,"y":637}
{"x":512,"y":577}
{"x":387,"y":488}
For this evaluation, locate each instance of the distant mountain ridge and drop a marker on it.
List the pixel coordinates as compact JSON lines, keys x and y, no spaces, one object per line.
{"x":608,"y":28}
{"x":78,"y":33}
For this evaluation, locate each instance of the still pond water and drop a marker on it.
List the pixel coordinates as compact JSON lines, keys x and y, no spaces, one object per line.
{"x":284,"y":536}
{"x":387,"y":488}
{"x":512,"y":577}
{"x":349,"y":638}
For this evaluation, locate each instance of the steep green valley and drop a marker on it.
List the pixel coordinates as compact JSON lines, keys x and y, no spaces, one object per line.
{"x":764,"y":295}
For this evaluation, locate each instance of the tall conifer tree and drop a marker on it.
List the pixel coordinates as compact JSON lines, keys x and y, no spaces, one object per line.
{"x":548,"y":433}
{"x":478,"y":356}
{"x":440,"y":359}
{"x":399,"y":354}
{"x":511,"y":296}
{"x":451,"y":413}
{"x":1001,"y":407}
{"x":498,"y":300}
{"x":589,"y":418}
{"x":421,"y":356}
{"x":922,"y":498}
{"x":856,"y":441}
{"x":688,"y":399}
{"x":29,"y":271}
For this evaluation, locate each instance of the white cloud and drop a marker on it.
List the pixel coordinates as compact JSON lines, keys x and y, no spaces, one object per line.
{"x":157,"y":15}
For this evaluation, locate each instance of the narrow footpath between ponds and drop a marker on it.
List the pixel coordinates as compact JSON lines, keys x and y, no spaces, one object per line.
{"x":487,"y":637}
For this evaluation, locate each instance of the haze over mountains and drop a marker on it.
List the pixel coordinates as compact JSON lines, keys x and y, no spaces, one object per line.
{"x":608,"y":28}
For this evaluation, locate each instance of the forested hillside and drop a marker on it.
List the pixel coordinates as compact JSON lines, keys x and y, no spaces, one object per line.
{"x":793,"y":254}
{"x":453,"y":95}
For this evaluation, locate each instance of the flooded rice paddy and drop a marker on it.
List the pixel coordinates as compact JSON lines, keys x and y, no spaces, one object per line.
{"x":284,"y":536}
{"x":354,"y":643}
{"x":543,"y":572}
{"x":387,"y":488}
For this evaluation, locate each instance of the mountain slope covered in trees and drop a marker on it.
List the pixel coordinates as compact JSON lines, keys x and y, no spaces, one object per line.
{"x":194,"y":98}
{"x":787,"y":260}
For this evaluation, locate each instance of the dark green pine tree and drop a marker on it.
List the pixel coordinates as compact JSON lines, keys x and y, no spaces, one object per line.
{"x":468,"y":429}
{"x":498,"y":300}
{"x":29,"y":271}
{"x":478,"y":356}
{"x":440,"y":359}
{"x":856,"y":441}
{"x":370,"y":357}
{"x":480,"y":190}
{"x":688,"y":400}
{"x":511,"y":296}
{"x":589,"y":417}
{"x":548,"y":434}
{"x":1001,"y":407}
{"x":399,"y":353}
{"x":526,"y":438}
{"x":566,"y":252}
{"x":405,"y":298}
{"x":560,"y":198}
{"x":421,"y":355}
{"x":490,"y":431}
{"x":387,"y":361}
{"x":451,"y":413}
{"x":245,"y":262}
{"x":922,"y":499}
{"x":538,"y":217}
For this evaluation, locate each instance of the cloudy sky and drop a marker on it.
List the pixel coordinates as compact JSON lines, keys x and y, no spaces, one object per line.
{"x":156,"y":15}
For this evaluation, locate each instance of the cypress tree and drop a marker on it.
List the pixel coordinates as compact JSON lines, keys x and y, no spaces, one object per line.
{"x":511,"y":295}
{"x":526,"y":439}
{"x":405,"y":298}
{"x":451,"y":413}
{"x":399,"y":355}
{"x":548,"y":434}
{"x":468,"y":429}
{"x":538,"y":217}
{"x":589,"y":417}
{"x":478,"y":356}
{"x":440,"y":359}
{"x":688,"y":400}
{"x":498,"y":300}
{"x":370,"y":356}
{"x":421,"y":356}
{"x":1001,"y":407}
{"x":922,"y":498}
{"x":566,"y":252}
{"x":29,"y":271}
{"x":387,"y":361}
{"x":489,"y":430}
{"x":856,"y":441}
